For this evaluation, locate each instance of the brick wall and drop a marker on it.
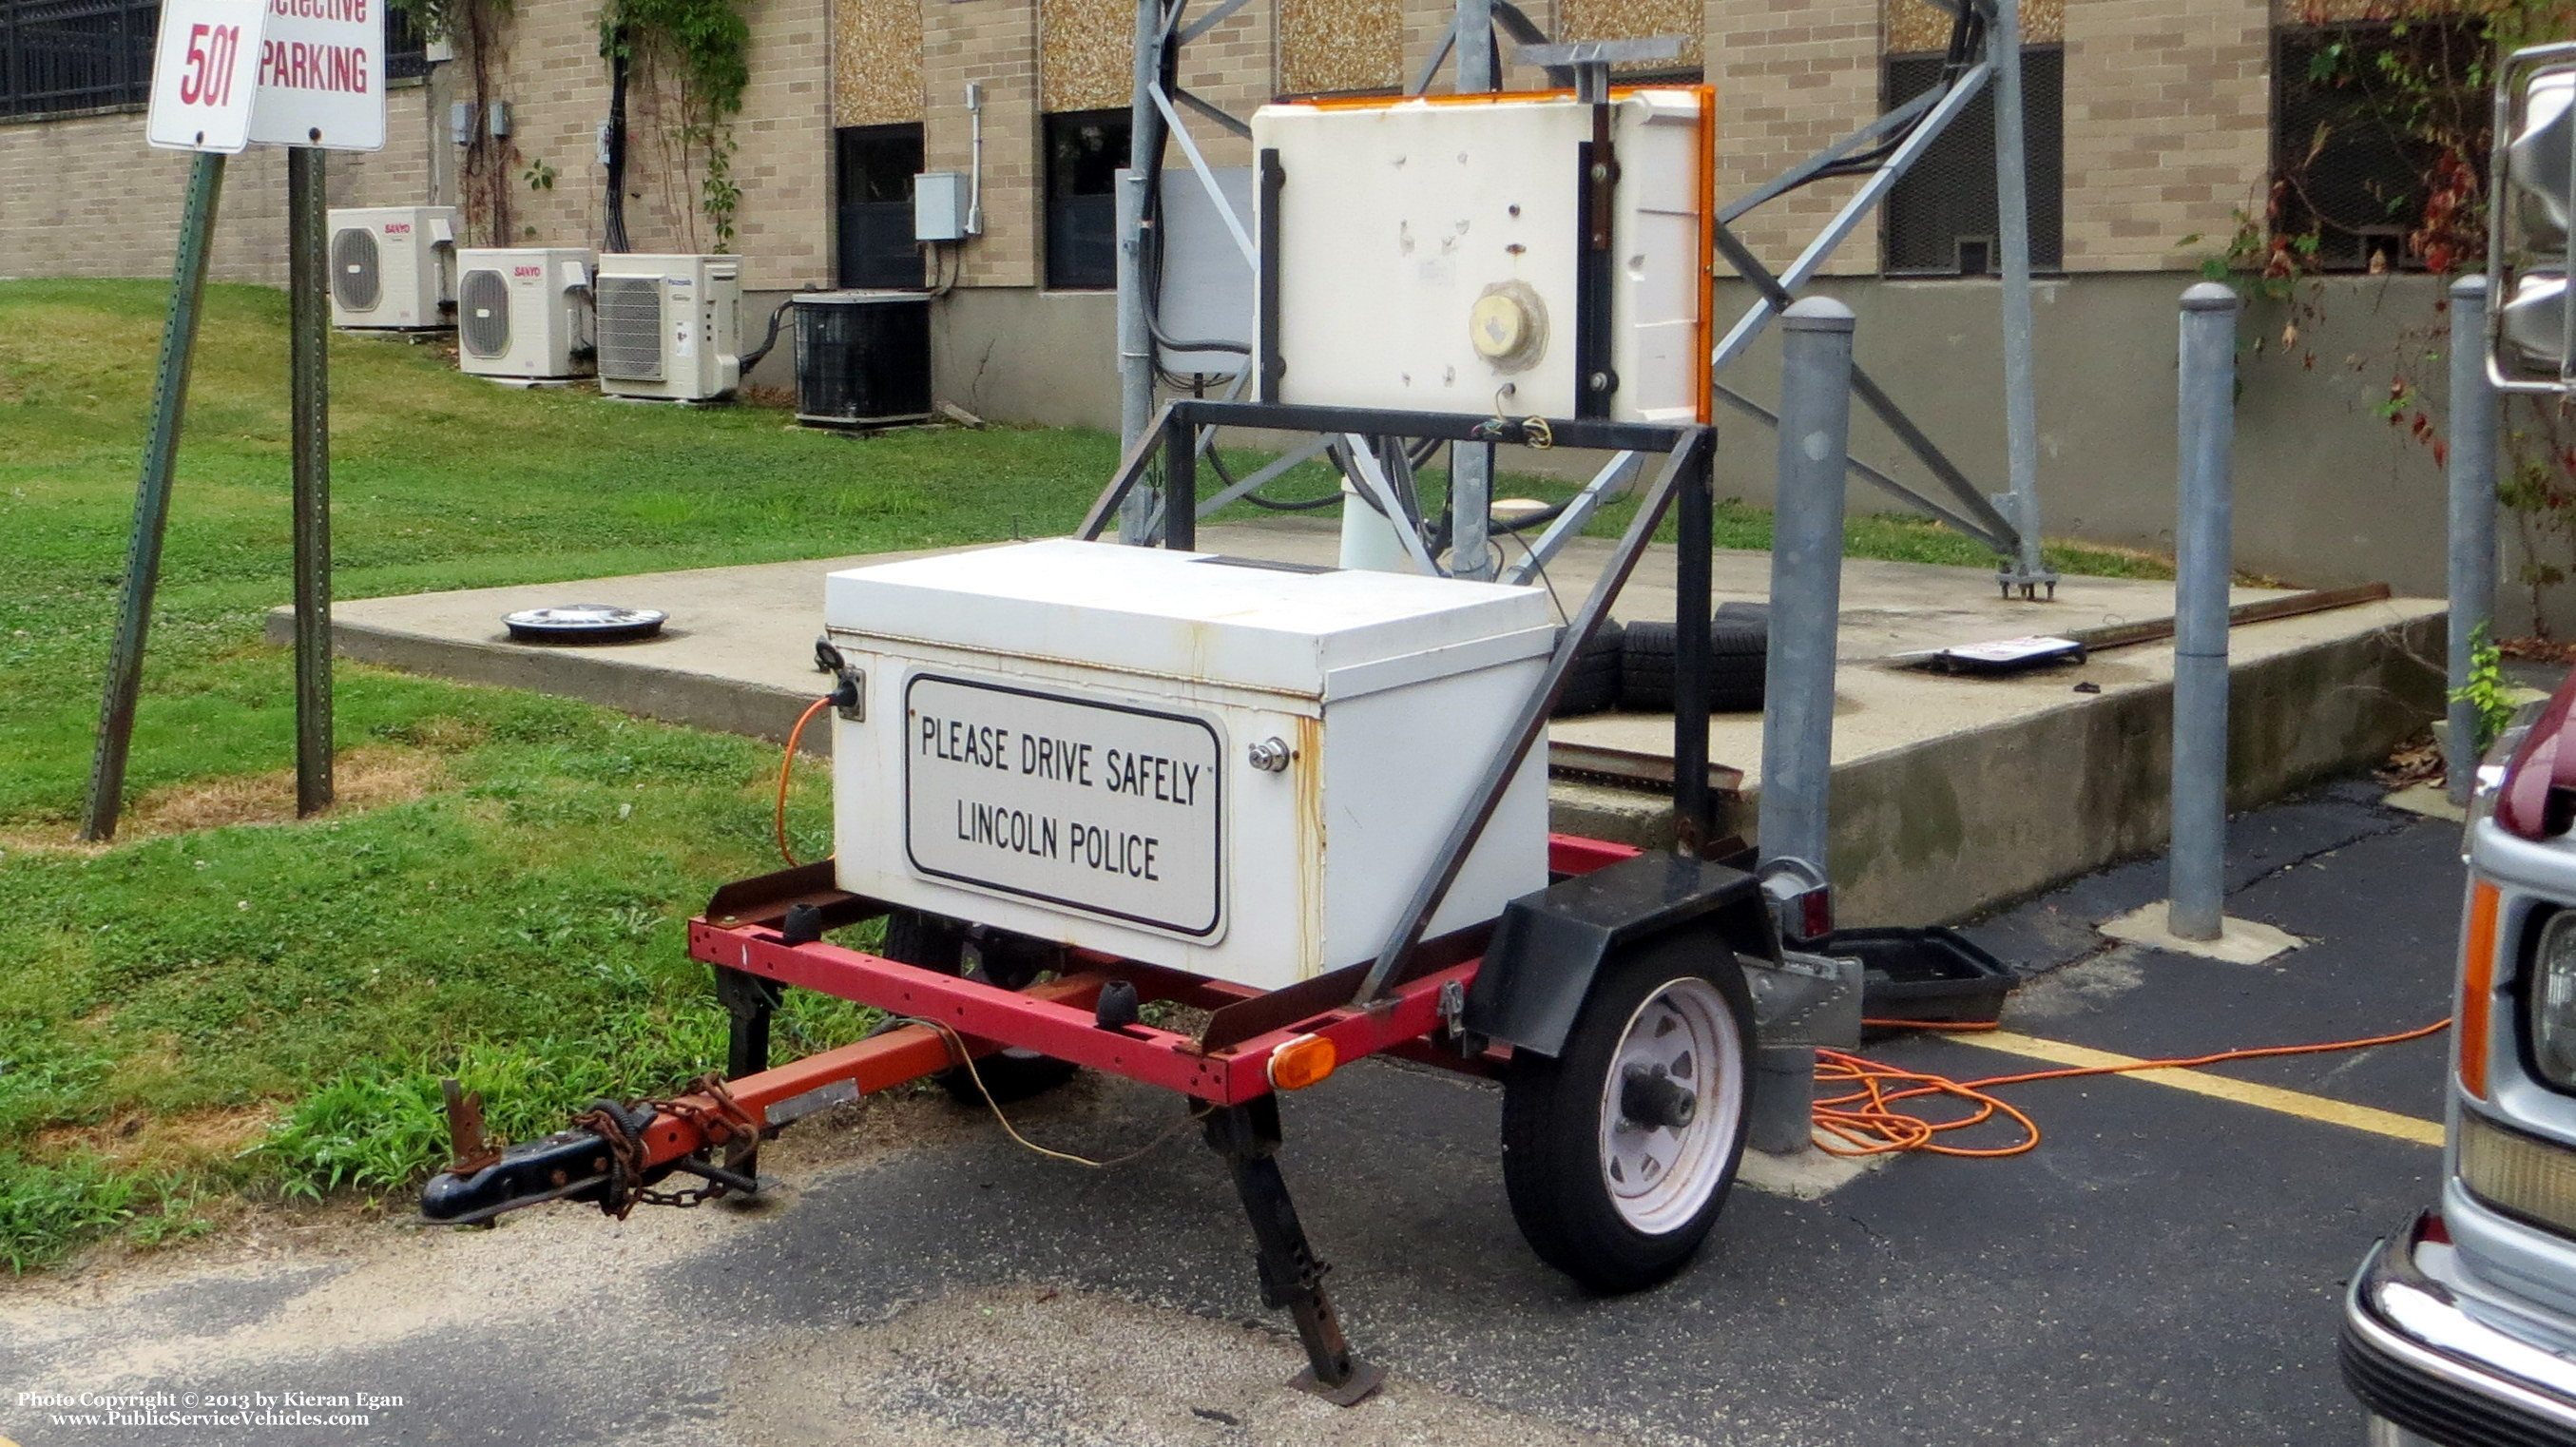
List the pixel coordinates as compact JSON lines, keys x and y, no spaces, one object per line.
{"x":993,"y":43}
{"x":2167,"y":110}
{"x":2168,"y":116}
{"x":86,"y":197}
{"x":1792,"y":79}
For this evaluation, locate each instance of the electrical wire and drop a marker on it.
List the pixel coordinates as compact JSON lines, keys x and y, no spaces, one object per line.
{"x":957,"y":1046}
{"x":786,"y":764}
{"x":1866,"y":1120}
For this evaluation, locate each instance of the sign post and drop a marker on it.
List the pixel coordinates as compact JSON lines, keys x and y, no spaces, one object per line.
{"x":309,"y":325}
{"x":307,"y":74}
{"x":152,"y":498}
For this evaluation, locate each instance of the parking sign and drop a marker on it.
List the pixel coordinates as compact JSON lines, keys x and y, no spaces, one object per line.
{"x":322,"y":75}
{"x":203,"y":74}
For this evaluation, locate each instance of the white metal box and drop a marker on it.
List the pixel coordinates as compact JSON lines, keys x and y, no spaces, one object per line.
{"x":939,"y":204}
{"x":391,"y":266}
{"x":1426,"y":253}
{"x":1068,"y":740}
{"x":523,"y":313}
{"x":670,"y":325}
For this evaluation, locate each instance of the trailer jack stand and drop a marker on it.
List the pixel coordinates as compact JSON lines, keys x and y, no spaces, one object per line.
{"x":1247,"y":1136}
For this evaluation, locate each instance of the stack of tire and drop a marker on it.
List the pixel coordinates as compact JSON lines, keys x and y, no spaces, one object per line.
{"x":1631,"y":666}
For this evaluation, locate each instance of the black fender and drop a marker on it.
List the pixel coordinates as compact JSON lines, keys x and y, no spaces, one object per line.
{"x":1548,"y":946}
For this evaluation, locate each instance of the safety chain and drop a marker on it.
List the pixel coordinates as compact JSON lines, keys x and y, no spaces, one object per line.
{"x":621,"y":1128}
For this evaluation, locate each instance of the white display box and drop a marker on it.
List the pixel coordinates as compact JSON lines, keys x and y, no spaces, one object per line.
{"x":1065,"y":739}
{"x":1396,"y":219}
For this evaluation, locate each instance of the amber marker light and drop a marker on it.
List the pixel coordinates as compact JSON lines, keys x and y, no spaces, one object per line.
{"x":2477,"y":986}
{"x":1302,"y":1061}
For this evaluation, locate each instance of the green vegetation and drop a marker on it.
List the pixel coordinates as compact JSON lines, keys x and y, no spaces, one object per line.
{"x":226,"y":1002}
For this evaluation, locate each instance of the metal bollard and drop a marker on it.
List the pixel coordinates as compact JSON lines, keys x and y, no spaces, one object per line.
{"x":2196,"y":902}
{"x":1806,"y":578}
{"x":2473,"y":521}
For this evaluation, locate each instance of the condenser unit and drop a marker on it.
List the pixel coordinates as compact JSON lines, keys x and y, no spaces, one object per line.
{"x":523,"y":313}
{"x":392,"y":267}
{"x":668,"y":326}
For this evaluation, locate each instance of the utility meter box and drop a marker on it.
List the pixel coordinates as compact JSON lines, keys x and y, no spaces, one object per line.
{"x":1234,"y":768}
{"x":1443,"y":255}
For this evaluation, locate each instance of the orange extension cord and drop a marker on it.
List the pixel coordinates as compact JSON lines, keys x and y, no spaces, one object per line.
{"x":1865,"y":1120}
{"x":786,"y":765}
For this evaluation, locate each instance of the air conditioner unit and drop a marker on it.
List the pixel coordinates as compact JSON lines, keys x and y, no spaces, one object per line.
{"x":392,"y":267}
{"x":669,"y":326}
{"x":523,"y":313}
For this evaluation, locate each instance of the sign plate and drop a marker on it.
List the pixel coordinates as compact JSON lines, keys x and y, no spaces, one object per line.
{"x":322,"y":76}
{"x":203,"y":81}
{"x":1105,"y":808}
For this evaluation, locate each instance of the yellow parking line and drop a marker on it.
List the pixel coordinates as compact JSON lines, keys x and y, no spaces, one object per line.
{"x":2267,"y":1097}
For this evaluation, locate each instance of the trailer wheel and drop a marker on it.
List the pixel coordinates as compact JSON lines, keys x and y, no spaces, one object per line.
{"x":1618,"y":1153}
{"x":933,"y":943}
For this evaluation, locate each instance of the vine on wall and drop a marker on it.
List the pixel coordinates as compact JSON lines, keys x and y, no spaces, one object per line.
{"x":692,"y":59}
{"x":475,"y":27}
{"x":2412,"y":79}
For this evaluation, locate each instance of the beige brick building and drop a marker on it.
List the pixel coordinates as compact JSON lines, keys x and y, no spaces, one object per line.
{"x":2153,"y":125}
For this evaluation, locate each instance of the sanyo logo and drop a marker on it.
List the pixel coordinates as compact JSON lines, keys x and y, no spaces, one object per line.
{"x":398,"y":228}
{"x":527,"y":271}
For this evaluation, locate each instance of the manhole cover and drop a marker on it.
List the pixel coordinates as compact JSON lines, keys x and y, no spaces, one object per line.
{"x":584,"y":623}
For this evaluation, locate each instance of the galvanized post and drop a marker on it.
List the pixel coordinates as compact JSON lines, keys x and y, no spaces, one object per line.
{"x":309,"y":323}
{"x":1471,"y":464}
{"x":1806,"y":578}
{"x":2207,"y":423}
{"x":1475,"y":22}
{"x":152,"y":499}
{"x":2012,"y":213}
{"x":2473,"y":521}
{"x":1135,"y":339}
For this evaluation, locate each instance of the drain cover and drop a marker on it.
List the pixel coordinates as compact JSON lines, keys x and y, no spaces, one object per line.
{"x":584,"y":623}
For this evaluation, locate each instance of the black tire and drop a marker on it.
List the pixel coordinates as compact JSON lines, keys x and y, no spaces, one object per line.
{"x":1738,"y":664}
{"x":1593,"y":683}
{"x":1557,"y":1162}
{"x":934,"y":943}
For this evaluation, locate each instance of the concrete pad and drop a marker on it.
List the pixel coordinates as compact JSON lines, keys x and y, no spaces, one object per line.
{"x":2432,"y":800}
{"x":1810,"y":1175}
{"x":2239,"y":942}
{"x":1951,"y":793}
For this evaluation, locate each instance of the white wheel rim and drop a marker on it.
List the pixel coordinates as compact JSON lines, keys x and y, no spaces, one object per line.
{"x":1659,"y":1175}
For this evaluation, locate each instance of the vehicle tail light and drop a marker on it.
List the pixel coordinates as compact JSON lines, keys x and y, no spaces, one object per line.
{"x":2537,"y":798}
{"x":2517,"y":1174}
{"x":2477,"y":987}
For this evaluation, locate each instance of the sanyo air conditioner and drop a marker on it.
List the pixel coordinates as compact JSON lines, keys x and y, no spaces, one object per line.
{"x":668,"y":326}
{"x":392,"y":267}
{"x":523,"y":313}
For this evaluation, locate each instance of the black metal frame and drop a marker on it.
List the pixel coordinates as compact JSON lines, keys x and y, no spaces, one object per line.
{"x":1682,"y":487}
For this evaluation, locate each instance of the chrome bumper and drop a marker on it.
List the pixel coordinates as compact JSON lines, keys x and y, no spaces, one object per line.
{"x":2417,"y":1358}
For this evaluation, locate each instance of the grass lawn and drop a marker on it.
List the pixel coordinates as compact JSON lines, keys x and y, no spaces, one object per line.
{"x":226,"y":1003}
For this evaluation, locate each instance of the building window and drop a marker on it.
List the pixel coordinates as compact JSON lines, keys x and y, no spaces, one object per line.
{"x":2369,"y":121}
{"x":872,"y":173}
{"x":1084,"y":151}
{"x":406,"y":49}
{"x":78,"y":55}
{"x":1941,"y":218}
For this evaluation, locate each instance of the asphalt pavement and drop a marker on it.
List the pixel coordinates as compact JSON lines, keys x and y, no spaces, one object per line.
{"x":2164,"y":1268}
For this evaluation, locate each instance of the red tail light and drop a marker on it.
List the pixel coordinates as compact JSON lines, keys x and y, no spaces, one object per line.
{"x":2534,"y":800}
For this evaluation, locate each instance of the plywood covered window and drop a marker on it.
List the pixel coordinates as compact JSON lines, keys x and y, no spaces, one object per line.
{"x":872,"y":171}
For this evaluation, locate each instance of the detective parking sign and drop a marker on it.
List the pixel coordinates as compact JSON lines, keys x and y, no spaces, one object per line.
{"x":280,"y":72}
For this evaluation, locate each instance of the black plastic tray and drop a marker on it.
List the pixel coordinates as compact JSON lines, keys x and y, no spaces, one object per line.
{"x":1923,"y":973}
